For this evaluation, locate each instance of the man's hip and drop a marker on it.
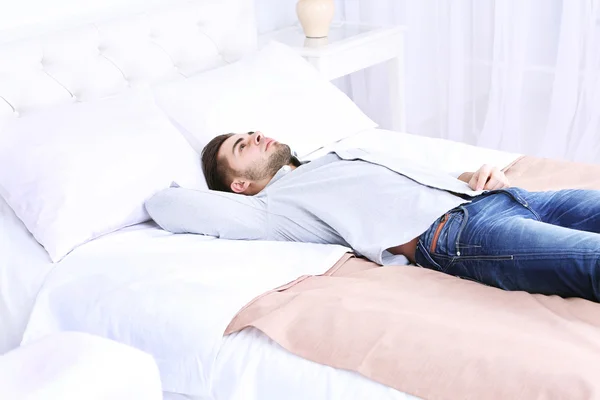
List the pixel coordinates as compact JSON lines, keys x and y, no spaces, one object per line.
{"x":499,"y":239}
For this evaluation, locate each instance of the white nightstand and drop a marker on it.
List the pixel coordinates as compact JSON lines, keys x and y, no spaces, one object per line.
{"x":350,"y":48}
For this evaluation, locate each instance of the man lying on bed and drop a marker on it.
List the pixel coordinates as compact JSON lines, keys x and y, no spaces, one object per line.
{"x":381,"y":206}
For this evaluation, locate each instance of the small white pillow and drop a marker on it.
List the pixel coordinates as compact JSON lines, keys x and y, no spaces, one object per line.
{"x":75,"y":172}
{"x":274,"y":91}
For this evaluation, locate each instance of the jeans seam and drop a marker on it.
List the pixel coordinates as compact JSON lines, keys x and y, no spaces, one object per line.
{"x":486,"y":258}
{"x":515,"y":255}
{"x":554,"y":254}
{"x":461,"y":228}
{"x":444,"y":256}
{"x":428,"y":256}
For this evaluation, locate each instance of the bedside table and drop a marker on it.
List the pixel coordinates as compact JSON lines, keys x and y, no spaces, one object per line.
{"x":350,"y":48}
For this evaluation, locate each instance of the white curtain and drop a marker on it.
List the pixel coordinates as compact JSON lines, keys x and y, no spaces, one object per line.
{"x":516,"y":75}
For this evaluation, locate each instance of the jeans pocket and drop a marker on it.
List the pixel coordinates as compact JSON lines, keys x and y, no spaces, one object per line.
{"x":428,"y":260}
{"x":442,"y":236}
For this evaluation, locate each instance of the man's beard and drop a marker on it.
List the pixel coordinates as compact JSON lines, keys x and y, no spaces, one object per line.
{"x":266,"y":170}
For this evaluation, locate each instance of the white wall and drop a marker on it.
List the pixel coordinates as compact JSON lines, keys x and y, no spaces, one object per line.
{"x":24,"y":17}
{"x":275,"y":14}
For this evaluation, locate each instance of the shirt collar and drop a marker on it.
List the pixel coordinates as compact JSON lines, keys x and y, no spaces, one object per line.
{"x":283,"y":171}
{"x":286,"y":169}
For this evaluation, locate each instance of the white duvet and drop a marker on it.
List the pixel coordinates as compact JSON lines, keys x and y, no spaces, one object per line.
{"x":75,"y":366}
{"x":169,"y":295}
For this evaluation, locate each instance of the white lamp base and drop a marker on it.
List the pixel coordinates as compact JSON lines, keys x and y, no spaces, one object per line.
{"x":315,"y":16}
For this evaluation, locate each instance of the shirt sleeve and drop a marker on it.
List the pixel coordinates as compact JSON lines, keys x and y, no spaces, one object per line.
{"x":207,"y":212}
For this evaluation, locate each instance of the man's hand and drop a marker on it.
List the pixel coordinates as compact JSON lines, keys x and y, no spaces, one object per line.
{"x":485,"y":178}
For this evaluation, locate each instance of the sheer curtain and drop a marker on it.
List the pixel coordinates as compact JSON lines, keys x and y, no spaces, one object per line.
{"x":516,"y":75}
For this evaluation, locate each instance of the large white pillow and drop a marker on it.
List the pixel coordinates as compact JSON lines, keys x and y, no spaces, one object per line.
{"x":75,"y":172}
{"x":273,"y":90}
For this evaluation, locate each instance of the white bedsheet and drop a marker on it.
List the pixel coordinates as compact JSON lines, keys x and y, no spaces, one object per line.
{"x":75,"y":366}
{"x":251,"y":366}
{"x":169,"y":295}
{"x":23,"y":267}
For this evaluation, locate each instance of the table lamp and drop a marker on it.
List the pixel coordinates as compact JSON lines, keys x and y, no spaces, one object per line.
{"x":315,"y":16}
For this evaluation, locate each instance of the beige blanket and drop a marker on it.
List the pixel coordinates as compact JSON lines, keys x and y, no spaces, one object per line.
{"x":439,"y":337}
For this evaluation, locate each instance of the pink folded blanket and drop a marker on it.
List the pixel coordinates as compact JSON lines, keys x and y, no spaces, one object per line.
{"x":437,"y":336}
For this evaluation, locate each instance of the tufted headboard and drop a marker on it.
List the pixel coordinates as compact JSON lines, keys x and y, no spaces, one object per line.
{"x":103,"y":58}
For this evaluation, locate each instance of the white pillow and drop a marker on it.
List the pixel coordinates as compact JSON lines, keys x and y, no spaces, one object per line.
{"x":75,"y":172}
{"x":274,"y":91}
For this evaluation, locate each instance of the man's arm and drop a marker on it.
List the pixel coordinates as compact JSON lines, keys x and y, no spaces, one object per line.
{"x":206,"y":212}
{"x":485,"y":178}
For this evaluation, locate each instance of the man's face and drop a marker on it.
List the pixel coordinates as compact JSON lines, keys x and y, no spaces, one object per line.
{"x":254,"y":157}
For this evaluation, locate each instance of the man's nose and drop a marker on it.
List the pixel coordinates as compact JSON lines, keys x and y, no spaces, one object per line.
{"x":258,"y":137}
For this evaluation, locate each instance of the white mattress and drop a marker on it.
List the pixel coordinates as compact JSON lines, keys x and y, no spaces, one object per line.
{"x":251,"y":366}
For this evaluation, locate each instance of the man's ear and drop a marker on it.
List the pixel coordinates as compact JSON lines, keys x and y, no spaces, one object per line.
{"x":239,"y":186}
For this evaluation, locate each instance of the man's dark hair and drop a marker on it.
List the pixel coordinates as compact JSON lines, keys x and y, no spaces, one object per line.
{"x":216,"y":171}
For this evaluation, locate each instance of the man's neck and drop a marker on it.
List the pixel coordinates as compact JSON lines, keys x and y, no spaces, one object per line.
{"x":259,"y":186}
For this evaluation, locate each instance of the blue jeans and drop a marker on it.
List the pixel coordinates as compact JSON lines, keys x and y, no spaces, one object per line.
{"x":539,"y":242}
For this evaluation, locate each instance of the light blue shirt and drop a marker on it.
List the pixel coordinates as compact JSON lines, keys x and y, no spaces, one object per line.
{"x":363,"y":200}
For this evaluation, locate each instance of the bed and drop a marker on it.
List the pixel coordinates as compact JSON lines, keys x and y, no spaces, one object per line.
{"x":101,"y":59}
{"x":171,"y":296}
